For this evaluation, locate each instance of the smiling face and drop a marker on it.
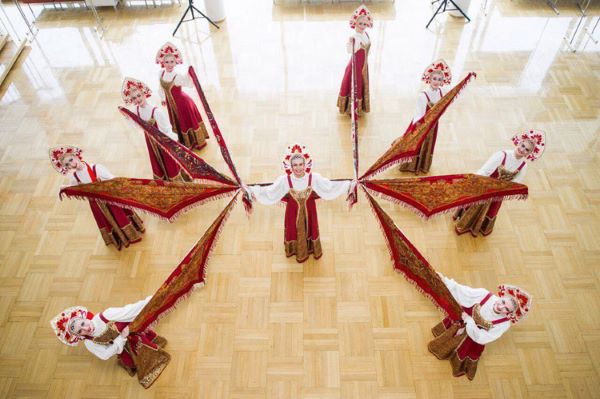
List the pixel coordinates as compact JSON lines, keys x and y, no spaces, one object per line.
{"x":524,"y":148}
{"x":362,"y":23}
{"x":138,"y":98}
{"x":504,"y":306}
{"x":169,"y":62}
{"x":436,"y":80}
{"x":298,"y":166}
{"x":81,"y":327}
{"x":72,"y":163}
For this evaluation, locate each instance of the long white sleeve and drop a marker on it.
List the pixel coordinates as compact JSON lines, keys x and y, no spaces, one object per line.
{"x":272,"y":194}
{"x":464,"y":295}
{"x":422,"y":101}
{"x":164,"y":124}
{"x":102,"y":173}
{"x":421,"y":107}
{"x":327,"y":189}
{"x":491,"y":164}
{"x":105,"y":352}
{"x":511,"y":164}
{"x":482,"y":336}
{"x":126,"y":313}
{"x":359,"y":40}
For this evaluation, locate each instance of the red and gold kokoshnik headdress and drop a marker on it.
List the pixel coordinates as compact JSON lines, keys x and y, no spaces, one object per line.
{"x":537,"y":137}
{"x":58,"y":153}
{"x":60,"y":324}
{"x":440,"y":66}
{"x":521,"y":298}
{"x":130,"y":86}
{"x":168,"y":49}
{"x":296,"y":149}
{"x":362,"y":10}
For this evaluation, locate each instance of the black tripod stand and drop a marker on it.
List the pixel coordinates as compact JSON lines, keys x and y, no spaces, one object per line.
{"x":444,"y":4}
{"x":191,"y":8}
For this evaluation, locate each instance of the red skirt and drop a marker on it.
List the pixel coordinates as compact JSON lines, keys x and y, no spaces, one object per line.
{"x":187,"y":119}
{"x":362,"y":85}
{"x":301,"y":225}
{"x":163,"y":166}
{"x":118,"y":226}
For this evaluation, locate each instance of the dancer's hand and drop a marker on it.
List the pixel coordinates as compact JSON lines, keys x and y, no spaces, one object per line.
{"x":460,"y":331}
{"x":125,"y":332}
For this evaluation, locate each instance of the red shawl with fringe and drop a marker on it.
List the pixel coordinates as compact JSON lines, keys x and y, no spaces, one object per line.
{"x":409,"y":145}
{"x":354,"y":128}
{"x":166,"y":200}
{"x":431,"y":195}
{"x":195,"y":166}
{"x":189,"y":274}
{"x":413,"y":266}
{"x":217,"y":132}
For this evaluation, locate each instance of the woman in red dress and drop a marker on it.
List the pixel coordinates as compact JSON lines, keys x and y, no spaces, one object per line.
{"x":299,"y":188}
{"x":436,"y":75}
{"x":507,"y":165}
{"x":360,"y":21}
{"x":135,"y":92}
{"x":118,"y":226}
{"x":485,"y":318}
{"x":183,"y":113}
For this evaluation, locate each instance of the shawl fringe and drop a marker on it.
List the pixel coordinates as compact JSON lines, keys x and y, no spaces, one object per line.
{"x":445,"y":211}
{"x":399,"y":270}
{"x":171,"y":219}
{"x":207,"y":259}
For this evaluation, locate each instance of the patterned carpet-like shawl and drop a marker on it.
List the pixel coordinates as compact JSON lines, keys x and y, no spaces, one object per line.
{"x":413,"y":266}
{"x":428,"y":196}
{"x":166,"y":200}
{"x":195,"y":166}
{"x":409,"y":145}
{"x":189,"y":274}
{"x":219,"y":136}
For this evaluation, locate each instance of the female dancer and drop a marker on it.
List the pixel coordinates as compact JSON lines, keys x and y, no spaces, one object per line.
{"x":118,"y":226}
{"x":360,"y":21}
{"x":508,"y":165}
{"x":135,"y":92}
{"x":436,"y":75}
{"x":183,"y":113}
{"x":299,"y":188}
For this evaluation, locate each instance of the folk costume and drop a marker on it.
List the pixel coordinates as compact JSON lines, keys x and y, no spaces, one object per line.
{"x":183,"y":113}
{"x":118,"y":226}
{"x":503,"y":165}
{"x":163,"y":165}
{"x":301,"y":237}
{"x":362,"y":43}
{"x":139,"y":353}
{"x":427,"y":99}
{"x":463,"y":343}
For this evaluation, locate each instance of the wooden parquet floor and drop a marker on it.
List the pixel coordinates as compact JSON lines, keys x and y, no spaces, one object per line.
{"x":345,"y":326}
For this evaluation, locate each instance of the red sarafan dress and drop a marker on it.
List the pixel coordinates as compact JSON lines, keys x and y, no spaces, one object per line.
{"x":422,"y":162}
{"x":183,"y":113}
{"x":481,"y":218}
{"x":301,"y":235}
{"x":163,"y":165}
{"x":464,"y":349}
{"x":361,"y":50}
{"x":118,"y":226}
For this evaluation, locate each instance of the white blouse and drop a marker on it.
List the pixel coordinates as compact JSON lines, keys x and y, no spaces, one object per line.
{"x":325,"y":188}
{"x":511,"y":164}
{"x":125,"y":314}
{"x":359,"y":38}
{"x":467,"y":297}
{"x":180,"y":80}
{"x":101,"y":172}
{"x":160,"y":116}
{"x":434,"y":96}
